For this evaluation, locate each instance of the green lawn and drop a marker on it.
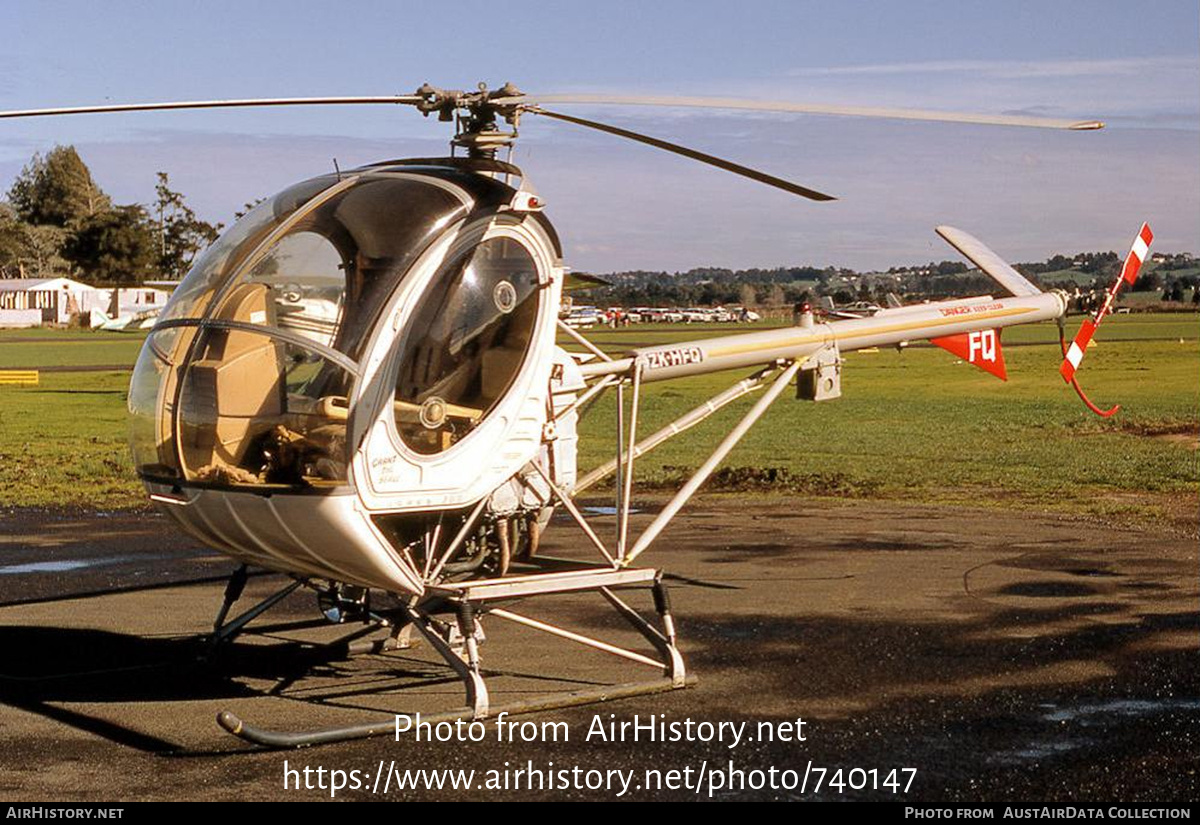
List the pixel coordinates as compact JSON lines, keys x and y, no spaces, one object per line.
{"x":58,"y":348}
{"x":915,"y":425}
{"x":63,"y":442}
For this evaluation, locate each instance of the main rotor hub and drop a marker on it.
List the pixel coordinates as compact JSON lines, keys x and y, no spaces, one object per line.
{"x":475,"y":115}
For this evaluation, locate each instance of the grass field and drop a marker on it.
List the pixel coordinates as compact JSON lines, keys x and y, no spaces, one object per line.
{"x":61,"y":348}
{"x":914,"y":425}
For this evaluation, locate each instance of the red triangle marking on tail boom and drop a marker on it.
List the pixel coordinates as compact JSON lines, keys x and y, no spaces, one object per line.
{"x":981,"y":348}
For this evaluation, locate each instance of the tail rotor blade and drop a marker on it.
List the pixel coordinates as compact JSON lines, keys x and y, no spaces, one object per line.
{"x":1073,"y":354}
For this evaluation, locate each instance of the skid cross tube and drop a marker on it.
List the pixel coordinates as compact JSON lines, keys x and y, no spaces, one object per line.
{"x":563,"y":633}
{"x":471,"y":601}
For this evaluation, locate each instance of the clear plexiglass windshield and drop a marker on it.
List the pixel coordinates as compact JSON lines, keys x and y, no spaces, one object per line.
{"x":288,"y":296}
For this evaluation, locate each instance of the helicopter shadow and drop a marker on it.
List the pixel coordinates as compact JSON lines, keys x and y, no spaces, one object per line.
{"x":47,"y":670}
{"x":55,"y":672}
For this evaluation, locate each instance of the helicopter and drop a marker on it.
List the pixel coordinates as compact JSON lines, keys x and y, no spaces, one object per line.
{"x":361,"y":385}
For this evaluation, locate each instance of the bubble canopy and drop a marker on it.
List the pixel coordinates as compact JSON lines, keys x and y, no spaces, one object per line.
{"x":244,"y":381}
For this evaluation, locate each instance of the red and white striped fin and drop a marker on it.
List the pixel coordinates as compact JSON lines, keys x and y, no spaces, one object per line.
{"x":1129,"y":273}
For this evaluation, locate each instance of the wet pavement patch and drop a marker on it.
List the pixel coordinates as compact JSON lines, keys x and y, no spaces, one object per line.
{"x":60,"y":565}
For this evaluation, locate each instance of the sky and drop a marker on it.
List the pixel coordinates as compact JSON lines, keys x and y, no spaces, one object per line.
{"x":617,"y":205}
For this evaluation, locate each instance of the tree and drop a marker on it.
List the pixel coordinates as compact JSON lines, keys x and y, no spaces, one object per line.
{"x":180,"y":233}
{"x":116,"y":246}
{"x":1148,"y":282}
{"x":45,"y":248}
{"x":29,"y":251}
{"x":747,"y":296}
{"x":950,"y":268}
{"x":14,"y":243}
{"x":57,"y":190}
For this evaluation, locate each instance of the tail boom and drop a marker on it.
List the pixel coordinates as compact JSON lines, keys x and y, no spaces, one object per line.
{"x":934,"y":320}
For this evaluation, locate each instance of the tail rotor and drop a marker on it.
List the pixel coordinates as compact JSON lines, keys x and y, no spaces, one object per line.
{"x":1073,"y":354}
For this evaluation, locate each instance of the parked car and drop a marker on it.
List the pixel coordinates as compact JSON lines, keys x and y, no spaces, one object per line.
{"x":583,"y":317}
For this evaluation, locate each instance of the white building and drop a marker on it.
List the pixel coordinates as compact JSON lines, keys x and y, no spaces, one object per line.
{"x":135,"y":300}
{"x":31,"y":302}
{"x":56,"y":299}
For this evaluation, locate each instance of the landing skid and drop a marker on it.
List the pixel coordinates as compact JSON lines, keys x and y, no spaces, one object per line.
{"x":458,"y":644}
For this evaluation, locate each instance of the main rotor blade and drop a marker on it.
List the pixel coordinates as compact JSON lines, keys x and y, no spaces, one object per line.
{"x":809,"y":108}
{"x":711,"y":160}
{"x":213,"y":104}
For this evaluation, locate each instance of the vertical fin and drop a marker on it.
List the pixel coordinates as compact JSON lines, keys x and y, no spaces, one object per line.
{"x":981,"y":348}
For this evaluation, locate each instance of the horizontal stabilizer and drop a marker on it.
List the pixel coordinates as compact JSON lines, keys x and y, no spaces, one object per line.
{"x":977,"y":253}
{"x":981,"y":348}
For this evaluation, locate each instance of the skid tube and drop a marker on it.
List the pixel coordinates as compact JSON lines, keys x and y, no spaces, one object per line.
{"x":473,"y":600}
